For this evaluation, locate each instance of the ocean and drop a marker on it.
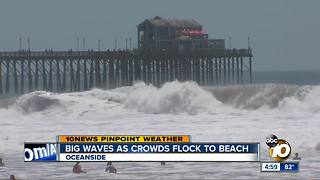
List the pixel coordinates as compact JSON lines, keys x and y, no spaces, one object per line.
{"x":286,"y":104}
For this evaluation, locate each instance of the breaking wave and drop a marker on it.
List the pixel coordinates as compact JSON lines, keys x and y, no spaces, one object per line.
{"x":270,"y":96}
{"x":260,"y":95}
{"x":173,"y":97}
{"x":187,"y":97}
{"x":35,"y":101}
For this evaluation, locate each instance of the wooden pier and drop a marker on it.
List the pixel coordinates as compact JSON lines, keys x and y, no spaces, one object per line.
{"x":68,"y":71}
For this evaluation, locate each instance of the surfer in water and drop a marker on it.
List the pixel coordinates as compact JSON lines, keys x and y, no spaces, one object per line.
{"x":1,"y":163}
{"x":163,"y":163}
{"x":110,"y":168}
{"x":77,"y":168}
{"x":12,"y":177}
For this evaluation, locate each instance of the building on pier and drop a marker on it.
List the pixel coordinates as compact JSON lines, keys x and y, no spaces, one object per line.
{"x":160,"y":34}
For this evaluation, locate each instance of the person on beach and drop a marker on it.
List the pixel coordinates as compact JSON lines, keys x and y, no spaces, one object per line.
{"x":77,"y":168}
{"x":1,"y":163}
{"x":12,"y":177}
{"x":110,"y":168}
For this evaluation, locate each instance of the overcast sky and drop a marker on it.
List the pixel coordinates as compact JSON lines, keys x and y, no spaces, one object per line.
{"x":284,"y":33}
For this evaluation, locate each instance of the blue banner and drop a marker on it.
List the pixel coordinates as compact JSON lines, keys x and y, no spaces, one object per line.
{"x":289,"y":166}
{"x":159,"y":148}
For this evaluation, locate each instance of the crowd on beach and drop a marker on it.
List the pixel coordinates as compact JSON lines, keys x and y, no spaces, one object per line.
{"x":77,"y":169}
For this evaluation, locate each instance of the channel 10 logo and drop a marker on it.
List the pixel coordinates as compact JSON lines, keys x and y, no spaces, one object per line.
{"x":279,"y":149}
{"x":40,"y":152}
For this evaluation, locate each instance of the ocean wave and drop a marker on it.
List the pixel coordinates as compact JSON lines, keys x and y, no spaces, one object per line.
{"x":177,"y":97}
{"x":35,"y":101}
{"x":269,"y":96}
{"x":187,"y":97}
{"x":174,"y":97}
{"x":253,"y":96}
{"x":307,"y":99}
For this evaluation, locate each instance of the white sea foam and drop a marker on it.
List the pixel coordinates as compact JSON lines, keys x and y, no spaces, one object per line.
{"x":307,"y":100}
{"x":187,"y":97}
{"x":174,"y":97}
{"x":35,"y":101}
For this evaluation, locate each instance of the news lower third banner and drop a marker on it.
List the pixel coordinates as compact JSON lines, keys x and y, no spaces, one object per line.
{"x":140,"y":148}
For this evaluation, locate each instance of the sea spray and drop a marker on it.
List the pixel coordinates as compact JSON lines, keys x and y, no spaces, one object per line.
{"x":185,"y":97}
{"x":174,"y":97}
{"x":35,"y":101}
{"x":306,"y":100}
{"x":253,"y":96}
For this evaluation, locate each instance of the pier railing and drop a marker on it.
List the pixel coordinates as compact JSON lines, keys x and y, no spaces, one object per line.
{"x":124,"y":53}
